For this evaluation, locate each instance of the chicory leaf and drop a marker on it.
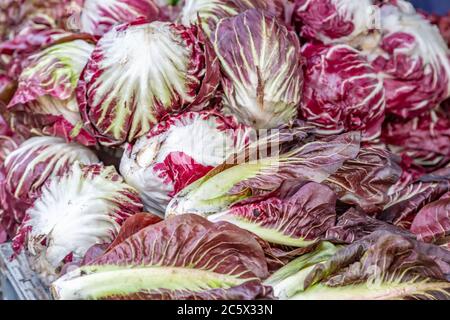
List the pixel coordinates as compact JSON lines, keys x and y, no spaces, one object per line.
{"x":183,"y":257}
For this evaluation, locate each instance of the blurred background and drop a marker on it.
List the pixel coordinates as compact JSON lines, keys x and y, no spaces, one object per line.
{"x":433,"y":6}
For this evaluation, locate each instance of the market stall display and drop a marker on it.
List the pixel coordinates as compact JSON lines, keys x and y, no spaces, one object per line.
{"x":226,"y":149}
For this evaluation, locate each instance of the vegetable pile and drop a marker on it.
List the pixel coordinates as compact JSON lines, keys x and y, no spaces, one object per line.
{"x":227,"y":149}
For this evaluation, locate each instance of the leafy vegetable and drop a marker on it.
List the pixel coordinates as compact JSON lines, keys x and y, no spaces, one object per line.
{"x":413,"y":59}
{"x":404,"y":204}
{"x":393,"y":288}
{"x":354,"y":225}
{"x":99,"y":16}
{"x":295,"y":215}
{"x":61,"y":11}
{"x":183,"y":257}
{"x":8,"y":143}
{"x":47,"y":88}
{"x":380,"y":266}
{"x":297,"y":149}
{"x":332,"y":21}
{"x":443,"y":23}
{"x":290,"y":279}
{"x":229,"y":184}
{"x":12,"y":14}
{"x":52,"y":152}
{"x":82,"y":207}
{"x":432,"y":222}
{"x":211,"y":12}
{"x":139,"y":72}
{"x":169,"y":10}
{"x":342,"y":92}
{"x":178,"y":151}
{"x":38,"y":32}
{"x":278,"y":256}
{"x":261,"y":67}
{"x":132,"y":225}
{"x":367,"y":180}
{"x":28,"y":168}
{"x":425,"y":139}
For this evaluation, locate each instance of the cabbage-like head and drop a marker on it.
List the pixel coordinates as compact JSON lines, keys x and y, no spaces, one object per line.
{"x":140,"y":72}
{"x":98,"y":16}
{"x":46,"y":88}
{"x":335,"y":21}
{"x":30,"y":166}
{"x":261,"y":67}
{"x":84,"y":206}
{"x":210,"y":12}
{"x":177,"y":152}
{"x":414,"y":61}
{"x":342,"y":92}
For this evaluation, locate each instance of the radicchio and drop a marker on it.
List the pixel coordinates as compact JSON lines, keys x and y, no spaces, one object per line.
{"x":74,"y":211}
{"x":381,"y":266}
{"x":27,"y":169}
{"x":367,"y":180}
{"x":354,"y":225}
{"x":46,"y":89}
{"x":12,"y":13}
{"x":38,"y":33}
{"x":432,"y":222}
{"x":98,"y":16}
{"x":261,"y":67}
{"x":296,"y":215}
{"x":403,"y":205}
{"x":7,"y":88}
{"x":140,"y":72}
{"x":177,"y":152}
{"x":132,"y":225}
{"x":413,"y":59}
{"x":342,"y":92}
{"x":228,"y":184}
{"x":335,"y":21}
{"x":210,"y":12}
{"x":190,"y":258}
{"x":425,"y":139}
{"x":16,"y":15}
{"x":63,"y":12}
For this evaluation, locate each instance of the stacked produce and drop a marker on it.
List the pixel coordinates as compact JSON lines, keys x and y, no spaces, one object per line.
{"x":227,"y":149}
